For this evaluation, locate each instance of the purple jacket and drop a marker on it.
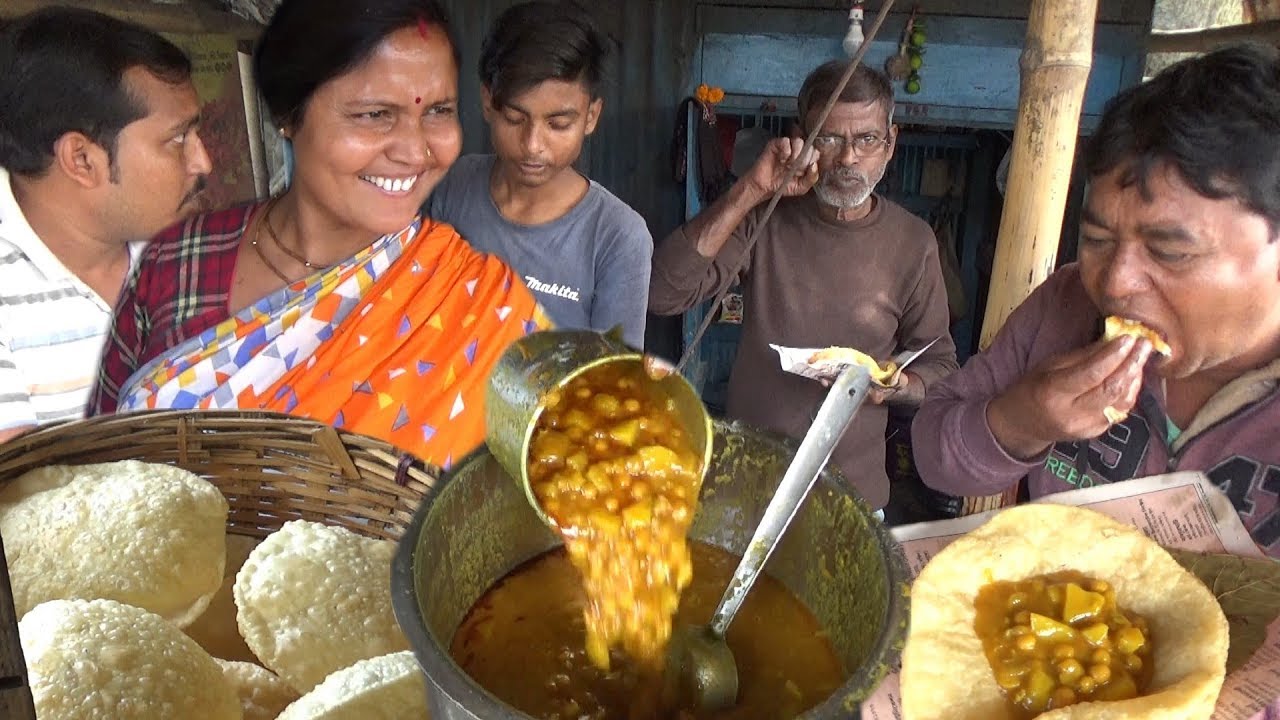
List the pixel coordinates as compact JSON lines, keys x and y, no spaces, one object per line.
{"x":1235,"y":439}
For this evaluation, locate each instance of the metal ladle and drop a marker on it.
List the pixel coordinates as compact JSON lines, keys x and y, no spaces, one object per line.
{"x":701,"y":671}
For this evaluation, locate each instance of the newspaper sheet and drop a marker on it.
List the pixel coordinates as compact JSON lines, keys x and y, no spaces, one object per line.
{"x":1181,"y":510}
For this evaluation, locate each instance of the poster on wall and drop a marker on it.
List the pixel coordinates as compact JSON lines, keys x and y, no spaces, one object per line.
{"x":224,"y":125}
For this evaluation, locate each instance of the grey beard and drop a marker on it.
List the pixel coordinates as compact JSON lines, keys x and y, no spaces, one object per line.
{"x":829,"y":194}
{"x":842,"y":199}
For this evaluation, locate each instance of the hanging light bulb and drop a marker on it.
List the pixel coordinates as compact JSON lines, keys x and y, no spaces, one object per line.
{"x":853,"y":39}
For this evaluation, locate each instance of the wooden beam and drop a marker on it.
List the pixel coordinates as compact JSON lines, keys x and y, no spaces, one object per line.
{"x":1055,"y":63}
{"x":194,"y":16}
{"x":1126,"y":12}
{"x":1197,"y":41}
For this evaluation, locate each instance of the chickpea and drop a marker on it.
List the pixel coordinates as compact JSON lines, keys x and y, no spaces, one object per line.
{"x":1064,"y":651}
{"x":1026,"y":643}
{"x":1100,"y":673}
{"x":1063,"y":697}
{"x":1010,"y":676}
{"x":606,"y":406}
{"x":1086,"y":685}
{"x":1101,"y":657}
{"x":1069,"y":671}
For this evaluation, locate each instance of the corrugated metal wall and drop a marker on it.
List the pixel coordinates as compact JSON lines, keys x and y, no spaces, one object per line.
{"x":654,"y":43}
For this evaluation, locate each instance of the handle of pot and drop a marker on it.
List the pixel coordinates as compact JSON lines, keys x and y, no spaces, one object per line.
{"x":844,"y":398}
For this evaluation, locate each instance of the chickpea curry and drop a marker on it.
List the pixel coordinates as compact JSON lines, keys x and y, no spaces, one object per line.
{"x":523,"y":642}
{"x":1060,"y":639}
{"x":619,"y":480}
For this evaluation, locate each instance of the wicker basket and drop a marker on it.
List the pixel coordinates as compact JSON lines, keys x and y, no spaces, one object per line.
{"x":271,"y":468}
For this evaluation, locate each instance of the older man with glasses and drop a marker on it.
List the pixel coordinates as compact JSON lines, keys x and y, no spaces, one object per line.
{"x":838,"y":266}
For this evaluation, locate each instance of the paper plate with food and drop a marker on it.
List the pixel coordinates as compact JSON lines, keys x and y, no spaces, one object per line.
{"x":827,"y":363}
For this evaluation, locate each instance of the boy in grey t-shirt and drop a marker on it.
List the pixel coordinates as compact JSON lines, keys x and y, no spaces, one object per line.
{"x":583,"y":252}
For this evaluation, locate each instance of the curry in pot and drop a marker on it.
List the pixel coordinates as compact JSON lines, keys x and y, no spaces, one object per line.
{"x":523,"y":642}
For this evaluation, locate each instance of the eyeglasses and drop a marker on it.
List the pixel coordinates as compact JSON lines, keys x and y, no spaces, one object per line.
{"x":863,"y":145}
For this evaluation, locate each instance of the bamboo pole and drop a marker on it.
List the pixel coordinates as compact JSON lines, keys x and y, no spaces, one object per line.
{"x":1055,"y":66}
{"x":1055,"y":63}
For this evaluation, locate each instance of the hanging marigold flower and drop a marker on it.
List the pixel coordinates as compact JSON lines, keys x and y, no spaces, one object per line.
{"x":709,"y":94}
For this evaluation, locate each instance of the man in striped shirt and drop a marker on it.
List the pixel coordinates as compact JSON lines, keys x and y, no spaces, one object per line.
{"x":98,"y":152}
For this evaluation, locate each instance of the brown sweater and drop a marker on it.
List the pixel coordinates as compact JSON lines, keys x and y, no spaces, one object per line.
{"x":874,"y":284}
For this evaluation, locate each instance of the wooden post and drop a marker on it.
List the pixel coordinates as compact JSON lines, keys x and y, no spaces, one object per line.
{"x":1055,"y":63}
{"x":1055,"y":66}
{"x":1199,"y":41}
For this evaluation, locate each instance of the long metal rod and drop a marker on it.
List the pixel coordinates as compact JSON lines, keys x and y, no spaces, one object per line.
{"x":842,"y":402}
{"x":794,"y":168}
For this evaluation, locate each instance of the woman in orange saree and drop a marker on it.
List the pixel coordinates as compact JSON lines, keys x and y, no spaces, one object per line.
{"x":287,"y":305}
{"x":396,"y":343}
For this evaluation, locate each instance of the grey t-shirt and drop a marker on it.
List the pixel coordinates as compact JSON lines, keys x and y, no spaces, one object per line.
{"x":588,"y":268}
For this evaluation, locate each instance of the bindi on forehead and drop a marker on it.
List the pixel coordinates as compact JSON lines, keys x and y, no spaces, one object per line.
{"x":423,"y":28}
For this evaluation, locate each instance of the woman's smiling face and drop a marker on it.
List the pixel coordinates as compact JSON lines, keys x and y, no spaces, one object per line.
{"x":374,"y":141}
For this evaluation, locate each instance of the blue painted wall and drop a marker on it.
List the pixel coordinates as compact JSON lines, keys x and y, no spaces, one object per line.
{"x":970,"y":76}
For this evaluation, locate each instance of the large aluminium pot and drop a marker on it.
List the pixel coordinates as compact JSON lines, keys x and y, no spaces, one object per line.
{"x":478,"y":525}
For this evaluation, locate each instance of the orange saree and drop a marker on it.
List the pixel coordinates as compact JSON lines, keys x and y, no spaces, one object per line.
{"x":397,"y":342}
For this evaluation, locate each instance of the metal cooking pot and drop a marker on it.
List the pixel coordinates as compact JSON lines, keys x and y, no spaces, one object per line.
{"x":477,"y":526}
